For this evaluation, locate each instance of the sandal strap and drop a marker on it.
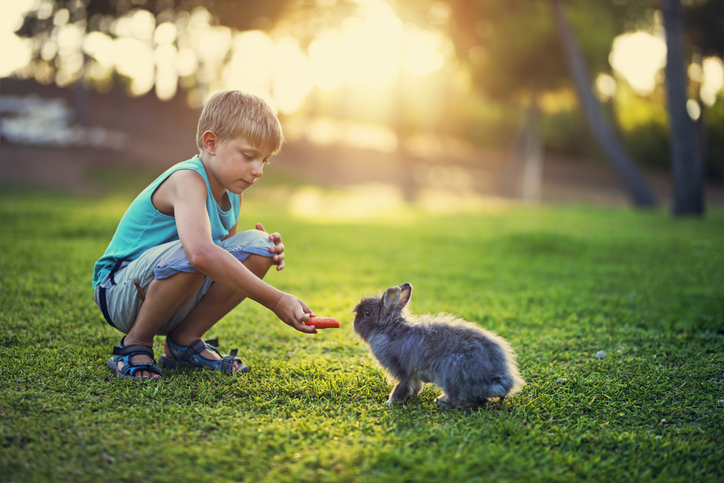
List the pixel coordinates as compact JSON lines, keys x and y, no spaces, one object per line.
{"x":130,"y":368}
{"x":123,"y":354}
{"x":128,"y":351}
{"x":133,"y":350}
{"x":227,"y":362}
{"x":184,"y":353}
{"x":195,"y":349}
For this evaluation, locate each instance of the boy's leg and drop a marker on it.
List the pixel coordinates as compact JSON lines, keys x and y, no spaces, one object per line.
{"x":163,"y":298}
{"x":212,"y":307}
{"x":174,"y":290}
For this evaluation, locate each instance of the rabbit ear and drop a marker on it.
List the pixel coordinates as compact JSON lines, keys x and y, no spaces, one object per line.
{"x":390,"y":298}
{"x":405,"y":294}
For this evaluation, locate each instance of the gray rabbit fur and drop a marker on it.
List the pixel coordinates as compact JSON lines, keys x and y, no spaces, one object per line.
{"x":470,"y":364}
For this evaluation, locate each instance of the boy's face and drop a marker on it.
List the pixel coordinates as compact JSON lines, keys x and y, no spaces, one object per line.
{"x":236,"y":164}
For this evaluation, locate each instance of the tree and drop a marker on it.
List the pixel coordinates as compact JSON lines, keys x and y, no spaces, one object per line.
{"x":699,"y":36}
{"x":523,"y":55}
{"x":686,"y":42}
{"x":609,"y":142}
{"x":685,"y":149}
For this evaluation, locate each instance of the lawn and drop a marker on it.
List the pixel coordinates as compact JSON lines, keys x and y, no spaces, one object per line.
{"x":560,"y":283}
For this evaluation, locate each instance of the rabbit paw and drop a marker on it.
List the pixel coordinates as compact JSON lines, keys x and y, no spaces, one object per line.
{"x":447,"y":402}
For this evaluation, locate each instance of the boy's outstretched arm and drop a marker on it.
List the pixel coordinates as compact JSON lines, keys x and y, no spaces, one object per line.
{"x":187,"y":194}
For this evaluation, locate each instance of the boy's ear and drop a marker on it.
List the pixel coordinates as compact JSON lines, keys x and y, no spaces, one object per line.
{"x":210,"y":141}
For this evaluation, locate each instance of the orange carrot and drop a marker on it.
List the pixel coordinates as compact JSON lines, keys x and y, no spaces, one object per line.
{"x":323,"y":322}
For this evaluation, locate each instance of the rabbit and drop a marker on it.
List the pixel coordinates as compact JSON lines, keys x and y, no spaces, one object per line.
{"x":470,"y":364}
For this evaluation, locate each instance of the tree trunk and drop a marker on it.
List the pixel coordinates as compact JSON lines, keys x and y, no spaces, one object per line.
{"x":609,"y":142}
{"x":685,"y":153}
{"x":523,"y":172}
{"x":530,"y":189}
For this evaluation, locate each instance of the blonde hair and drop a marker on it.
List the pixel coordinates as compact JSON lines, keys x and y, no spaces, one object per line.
{"x":234,"y":114}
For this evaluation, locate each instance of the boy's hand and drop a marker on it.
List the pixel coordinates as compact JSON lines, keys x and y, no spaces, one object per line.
{"x":277,"y":249}
{"x":293,"y":312}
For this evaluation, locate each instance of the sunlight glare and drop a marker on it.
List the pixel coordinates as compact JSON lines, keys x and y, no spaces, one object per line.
{"x":250,"y":67}
{"x":165,"y":56}
{"x":638,"y":57}
{"x":69,"y":38}
{"x":213,"y":43}
{"x":377,"y":137}
{"x":605,"y":86}
{"x":186,"y":63}
{"x":165,"y":33}
{"x":422,"y":55}
{"x":16,"y":52}
{"x":368,"y":51}
{"x":323,"y":57}
{"x":370,"y":200}
{"x":143,"y":25}
{"x":139,"y":24}
{"x":323,"y":131}
{"x":292,"y":78}
{"x":694,"y":109}
{"x":362,"y":135}
{"x":713,"y":79}
{"x":370,"y":45}
{"x":134,"y":58}
{"x":99,"y":46}
{"x":61,"y":17}
{"x":166,"y":84}
{"x":69,"y":68}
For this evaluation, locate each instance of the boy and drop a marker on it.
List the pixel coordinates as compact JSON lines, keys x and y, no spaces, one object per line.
{"x":176,"y":264}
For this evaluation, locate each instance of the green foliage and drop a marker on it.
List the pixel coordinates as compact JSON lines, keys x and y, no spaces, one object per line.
{"x":560,"y":283}
{"x":562,"y":132}
{"x":517,"y":49}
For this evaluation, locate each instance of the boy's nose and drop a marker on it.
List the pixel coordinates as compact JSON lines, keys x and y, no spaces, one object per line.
{"x":257,"y":169}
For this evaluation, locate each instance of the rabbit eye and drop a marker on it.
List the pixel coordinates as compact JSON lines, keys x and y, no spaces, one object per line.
{"x":367,"y":313}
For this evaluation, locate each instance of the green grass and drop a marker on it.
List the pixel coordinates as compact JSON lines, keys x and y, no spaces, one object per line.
{"x":560,"y":283}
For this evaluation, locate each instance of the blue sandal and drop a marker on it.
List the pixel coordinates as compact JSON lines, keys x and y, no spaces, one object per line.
{"x":190,"y":356}
{"x":123,"y":354}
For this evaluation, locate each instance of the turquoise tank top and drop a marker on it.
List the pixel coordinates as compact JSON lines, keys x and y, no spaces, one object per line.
{"x":143,"y":226}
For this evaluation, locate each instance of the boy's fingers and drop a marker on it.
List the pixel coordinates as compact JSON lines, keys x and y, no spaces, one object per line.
{"x":303,"y":317}
{"x":260,"y":227}
{"x":307,"y":310}
{"x":279,"y":261}
{"x":276,"y":238}
{"x":302,"y":327}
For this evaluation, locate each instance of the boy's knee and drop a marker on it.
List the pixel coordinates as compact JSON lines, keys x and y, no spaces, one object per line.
{"x":182,"y":279}
{"x":259,"y":265}
{"x":248,"y":241}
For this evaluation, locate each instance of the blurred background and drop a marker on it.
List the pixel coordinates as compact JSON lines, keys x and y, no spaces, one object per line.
{"x":453,"y":105}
